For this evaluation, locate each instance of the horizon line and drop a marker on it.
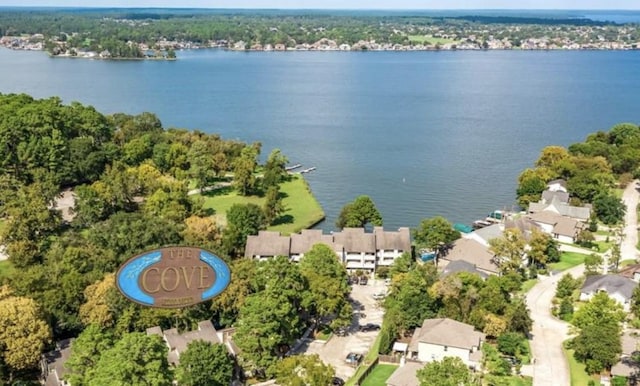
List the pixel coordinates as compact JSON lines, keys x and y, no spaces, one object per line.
{"x":319,"y":9}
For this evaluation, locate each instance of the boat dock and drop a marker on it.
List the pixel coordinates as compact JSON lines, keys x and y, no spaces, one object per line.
{"x":292,"y":167}
{"x":308,"y":170}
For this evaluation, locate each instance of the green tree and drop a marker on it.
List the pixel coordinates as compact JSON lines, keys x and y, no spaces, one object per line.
{"x":205,"y":364}
{"x":136,"y":359}
{"x":410,"y":300}
{"x":598,"y":346}
{"x":201,"y":163}
{"x":403,"y":264}
{"x":357,"y":214}
{"x":601,"y":309}
{"x":511,"y":343}
{"x":450,"y":371}
{"x":435,"y":233}
{"x":509,"y":250}
{"x":566,"y":285}
{"x":592,"y":264}
{"x":327,"y":280}
{"x":530,"y":187}
{"x":609,"y":209}
{"x":85,"y":354}
{"x":24,"y":332}
{"x":228,"y":304}
{"x":519,"y":317}
{"x":302,"y":370}
{"x":242,"y":221}
{"x":274,"y":170}
{"x":635,"y":302}
{"x":273,"y":206}
{"x":244,"y":179}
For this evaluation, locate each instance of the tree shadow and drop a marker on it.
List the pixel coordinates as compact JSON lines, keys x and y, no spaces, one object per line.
{"x":284,"y":219}
{"x":208,"y":212}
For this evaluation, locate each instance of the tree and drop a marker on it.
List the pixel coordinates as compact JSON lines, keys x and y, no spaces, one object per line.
{"x":244,"y":179}
{"x":273,"y":206}
{"x":201,"y":163}
{"x":635,"y":302}
{"x":609,"y":209}
{"x":434,"y":234}
{"x":494,"y":325}
{"x":85,"y":354}
{"x":511,"y":343}
{"x":509,"y":250}
{"x":242,"y":221}
{"x":357,"y":214}
{"x":450,"y":371}
{"x":531,"y":184}
{"x":585,"y":238}
{"x":519,"y":317}
{"x":598,"y":346}
{"x":543,"y":249}
{"x":228,"y":304}
{"x":566,"y":285}
{"x":301,"y":370}
{"x":403,"y":264}
{"x":136,"y":359}
{"x":205,"y":364}
{"x":97,"y":309}
{"x":202,"y":232}
{"x":274,"y":169}
{"x":409,"y":301}
{"x":601,"y":309}
{"x":24,"y":332}
{"x":592,"y":264}
{"x":327,"y":280}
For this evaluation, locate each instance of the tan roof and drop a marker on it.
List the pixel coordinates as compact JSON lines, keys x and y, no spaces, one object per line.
{"x":405,"y":375}
{"x":567,"y":227}
{"x":447,"y":332}
{"x":629,"y":271}
{"x":400,"y":240}
{"x":545,"y":217}
{"x":304,"y":241}
{"x":523,"y":224}
{"x":178,"y":342}
{"x":356,"y":240}
{"x":268,"y":244}
{"x":473,"y":252}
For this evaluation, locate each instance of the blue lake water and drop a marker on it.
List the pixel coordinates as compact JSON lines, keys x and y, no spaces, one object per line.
{"x":423,"y":133}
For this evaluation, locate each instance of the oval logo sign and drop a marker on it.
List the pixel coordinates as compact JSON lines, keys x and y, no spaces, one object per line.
{"x":173,"y":277}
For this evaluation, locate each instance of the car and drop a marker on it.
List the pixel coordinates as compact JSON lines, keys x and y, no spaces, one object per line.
{"x":353,"y":358}
{"x":368,"y":327}
{"x":342,"y":331}
{"x":337,"y":381}
{"x":363,"y":280}
{"x":378,"y":296}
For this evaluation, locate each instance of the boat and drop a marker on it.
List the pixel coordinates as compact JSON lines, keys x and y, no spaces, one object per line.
{"x":462,"y":228}
{"x":308,"y":170}
{"x":480,"y":224}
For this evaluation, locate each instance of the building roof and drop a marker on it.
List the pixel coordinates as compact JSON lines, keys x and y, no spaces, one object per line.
{"x":267,"y":243}
{"x":447,"y":332}
{"x":304,"y":241}
{"x":568,"y":227}
{"x":525,"y":225}
{"x":550,"y":195}
{"x":630,"y":271}
{"x":611,"y":284}
{"x":405,"y":375}
{"x":473,"y":252}
{"x":55,"y":362}
{"x":178,"y":342}
{"x":483,"y":235}
{"x":558,"y":181}
{"x":400,"y":240}
{"x":462,"y":266}
{"x":545,"y":217}
{"x":356,"y":240}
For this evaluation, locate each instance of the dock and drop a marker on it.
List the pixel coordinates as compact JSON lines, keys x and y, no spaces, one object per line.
{"x":292,"y":167}
{"x":308,"y":170}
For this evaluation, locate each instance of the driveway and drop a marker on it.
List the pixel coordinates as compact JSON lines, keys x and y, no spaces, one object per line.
{"x":548,"y":333}
{"x":630,"y":195}
{"x":336,"y":349}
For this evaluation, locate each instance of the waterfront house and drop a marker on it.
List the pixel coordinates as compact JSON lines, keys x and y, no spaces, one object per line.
{"x":302,"y":242}
{"x":617,"y":287}
{"x":443,"y":337}
{"x":579,"y":213}
{"x":266,"y":245}
{"x":471,"y":251}
{"x":561,"y":228}
{"x":390,"y":245}
{"x":359,"y":248}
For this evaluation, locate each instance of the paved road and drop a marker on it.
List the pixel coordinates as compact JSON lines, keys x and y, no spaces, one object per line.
{"x":551,"y":367}
{"x":628,"y":249}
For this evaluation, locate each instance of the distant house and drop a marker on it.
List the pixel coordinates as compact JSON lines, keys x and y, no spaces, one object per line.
{"x":444,"y":337}
{"x":178,"y":342}
{"x":627,"y":367}
{"x":561,"y":228}
{"x":354,"y":247}
{"x":266,"y":245}
{"x":617,"y":287}
{"x":52,"y":364}
{"x":472,"y":252}
{"x":406,"y":375}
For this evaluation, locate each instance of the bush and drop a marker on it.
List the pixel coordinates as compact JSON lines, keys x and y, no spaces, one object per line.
{"x":510,"y":343}
{"x":618,"y":381}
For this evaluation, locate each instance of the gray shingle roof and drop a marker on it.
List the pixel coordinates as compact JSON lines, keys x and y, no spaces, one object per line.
{"x":304,"y":241}
{"x":400,"y":240}
{"x":356,"y":240}
{"x":609,"y":283}
{"x":472,"y":251}
{"x":267,"y":243}
{"x":447,"y":332}
{"x":491,"y":232}
{"x":462,"y":266}
{"x":548,"y":196}
{"x":178,"y":342}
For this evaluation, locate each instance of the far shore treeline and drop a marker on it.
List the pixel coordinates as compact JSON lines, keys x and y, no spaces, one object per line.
{"x":140,"y":186}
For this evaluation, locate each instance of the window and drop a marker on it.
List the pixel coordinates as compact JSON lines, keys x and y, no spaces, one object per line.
{"x":445,"y":348}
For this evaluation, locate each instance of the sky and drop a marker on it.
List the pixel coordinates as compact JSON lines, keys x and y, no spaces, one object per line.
{"x":340,"y":4}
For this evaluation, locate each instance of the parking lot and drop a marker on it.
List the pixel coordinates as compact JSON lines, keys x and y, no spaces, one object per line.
{"x":335,"y":351}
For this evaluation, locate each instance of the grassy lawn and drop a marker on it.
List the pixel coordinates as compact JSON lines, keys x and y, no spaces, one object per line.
{"x":512,"y":380}
{"x":379,"y":375}
{"x":624,"y":263}
{"x":568,"y":260}
{"x":302,"y":210}
{"x":579,"y":376}
{"x":6,"y":269}
{"x":527,"y":285}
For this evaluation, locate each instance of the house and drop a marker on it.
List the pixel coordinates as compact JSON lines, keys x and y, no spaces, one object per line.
{"x":462,"y":266}
{"x":558,"y":195}
{"x":444,"y":337}
{"x":472,"y":252}
{"x":627,"y":367}
{"x":617,"y":287}
{"x":302,"y":242}
{"x":525,"y":225}
{"x":267,"y":244}
{"x":631,"y":272}
{"x":52,"y":364}
{"x":178,"y":342}
{"x":580,"y":213}
{"x":561,"y":228}
{"x":483,"y":235}
{"x":406,"y":375}
{"x":354,"y":247}
{"x":558,"y":185}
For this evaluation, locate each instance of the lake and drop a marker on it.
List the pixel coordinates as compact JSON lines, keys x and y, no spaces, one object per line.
{"x":422,"y":133}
